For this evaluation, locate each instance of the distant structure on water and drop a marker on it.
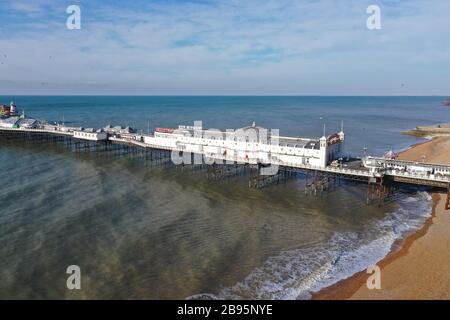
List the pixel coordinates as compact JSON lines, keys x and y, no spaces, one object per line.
{"x":6,"y":111}
{"x":9,"y":118}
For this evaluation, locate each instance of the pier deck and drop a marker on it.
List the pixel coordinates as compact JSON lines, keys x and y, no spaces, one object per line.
{"x":379,"y":174}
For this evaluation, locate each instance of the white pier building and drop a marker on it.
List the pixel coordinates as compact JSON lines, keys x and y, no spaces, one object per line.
{"x":250,"y":144}
{"x":90,"y":134}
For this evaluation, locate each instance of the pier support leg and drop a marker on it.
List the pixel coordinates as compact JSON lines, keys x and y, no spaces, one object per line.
{"x":257,"y":180}
{"x":376,"y":190}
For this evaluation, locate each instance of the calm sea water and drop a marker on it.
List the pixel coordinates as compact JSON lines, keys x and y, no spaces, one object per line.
{"x":141,"y":232}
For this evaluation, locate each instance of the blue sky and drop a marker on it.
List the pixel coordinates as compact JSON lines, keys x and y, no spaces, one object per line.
{"x":268,"y":47}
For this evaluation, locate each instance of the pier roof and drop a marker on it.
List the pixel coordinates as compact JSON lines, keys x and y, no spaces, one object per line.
{"x":9,"y":120}
{"x":26,"y":122}
{"x":298,"y":142}
{"x":119,"y":129}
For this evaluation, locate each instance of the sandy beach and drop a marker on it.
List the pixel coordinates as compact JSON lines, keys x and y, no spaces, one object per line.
{"x":418,"y":267}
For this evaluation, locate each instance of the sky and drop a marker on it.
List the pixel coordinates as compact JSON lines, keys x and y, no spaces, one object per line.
{"x":234,"y":47}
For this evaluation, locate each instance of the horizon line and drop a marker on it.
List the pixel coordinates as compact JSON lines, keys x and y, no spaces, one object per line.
{"x":214,"y":95}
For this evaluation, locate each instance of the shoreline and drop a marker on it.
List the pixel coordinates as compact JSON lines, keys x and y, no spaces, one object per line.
{"x":405,"y":262}
{"x":346,"y":288}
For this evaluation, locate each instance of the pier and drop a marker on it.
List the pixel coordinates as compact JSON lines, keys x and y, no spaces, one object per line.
{"x":265,"y":156}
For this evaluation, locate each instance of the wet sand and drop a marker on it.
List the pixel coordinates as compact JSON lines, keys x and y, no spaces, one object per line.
{"x":418,"y":267}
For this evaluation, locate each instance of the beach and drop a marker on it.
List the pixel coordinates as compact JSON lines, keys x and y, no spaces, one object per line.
{"x":418,"y":267}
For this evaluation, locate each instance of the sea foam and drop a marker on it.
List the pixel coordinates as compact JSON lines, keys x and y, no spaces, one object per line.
{"x":296,"y":274}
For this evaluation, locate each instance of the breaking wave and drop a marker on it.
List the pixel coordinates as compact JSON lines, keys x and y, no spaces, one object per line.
{"x":295,"y":274}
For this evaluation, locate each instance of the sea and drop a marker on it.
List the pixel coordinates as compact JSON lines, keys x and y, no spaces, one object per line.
{"x":149,"y":232}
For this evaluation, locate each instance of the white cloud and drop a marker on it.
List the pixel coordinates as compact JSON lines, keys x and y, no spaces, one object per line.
{"x":279,"y":47}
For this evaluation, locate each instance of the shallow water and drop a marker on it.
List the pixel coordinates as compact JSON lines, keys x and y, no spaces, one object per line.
{"x":147,"y":232}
